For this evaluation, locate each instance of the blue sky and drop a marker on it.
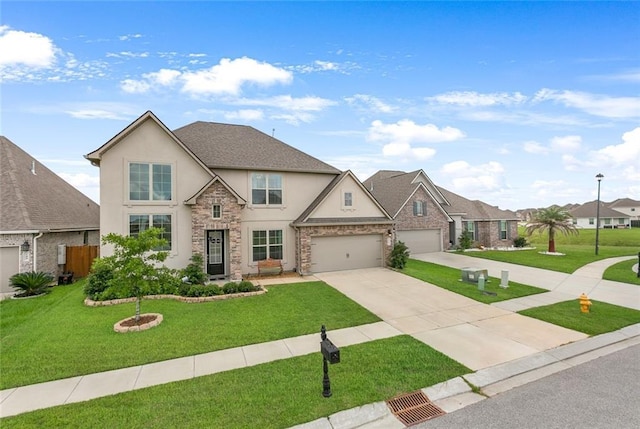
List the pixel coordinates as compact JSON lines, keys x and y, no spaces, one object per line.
{"x":518,"y":104}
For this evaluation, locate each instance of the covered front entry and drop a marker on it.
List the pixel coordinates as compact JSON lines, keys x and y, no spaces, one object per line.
{"x":421,"y":240}
{"x":216,"y":253}
{"x":346,"y":252}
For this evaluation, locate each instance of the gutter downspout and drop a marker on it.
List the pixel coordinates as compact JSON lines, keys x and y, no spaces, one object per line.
{"x":35,"y":251}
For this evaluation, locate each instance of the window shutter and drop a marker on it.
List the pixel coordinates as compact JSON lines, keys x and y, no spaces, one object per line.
{"x":499,"y":230}
{"x":424,"y":208}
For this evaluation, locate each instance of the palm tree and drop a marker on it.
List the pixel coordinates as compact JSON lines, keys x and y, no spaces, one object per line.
{"x":554,"y":219}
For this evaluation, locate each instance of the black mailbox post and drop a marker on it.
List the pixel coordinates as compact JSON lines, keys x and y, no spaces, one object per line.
{"x":330,"y":354}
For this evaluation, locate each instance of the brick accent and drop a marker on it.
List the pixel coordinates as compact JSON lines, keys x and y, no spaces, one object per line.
{"x":305,"y":234}
{"x":230,"y":221}
{"x":433,"y":218}
{"x":488,"y":233}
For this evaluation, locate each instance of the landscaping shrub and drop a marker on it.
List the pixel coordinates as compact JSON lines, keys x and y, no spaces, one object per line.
{"x":230,"y":287}
{"x":194,"y":271}
{"x":520,"y":242}
{"x":31,"y":283}
{"x":99,"y":277}
{"x":247,"y":286}
{"x":399,"y":255}
{"x":465,"y":241}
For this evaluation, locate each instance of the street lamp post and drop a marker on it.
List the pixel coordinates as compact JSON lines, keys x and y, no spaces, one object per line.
{"x":599,"y":177}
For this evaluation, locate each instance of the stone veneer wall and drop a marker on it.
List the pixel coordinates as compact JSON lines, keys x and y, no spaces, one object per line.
{"x":230,"y":220}
{"x":434,"y":218}
{"x":305,"y":234}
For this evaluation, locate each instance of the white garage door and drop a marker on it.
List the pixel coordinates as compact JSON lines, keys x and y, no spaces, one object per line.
{"x":346,"y":252}
{"x":421,"y":240}
{"x":9,"y":265}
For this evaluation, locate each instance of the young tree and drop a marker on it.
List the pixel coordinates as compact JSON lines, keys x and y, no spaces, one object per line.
{"x":553,"y":219}
{"x":134,"y":261}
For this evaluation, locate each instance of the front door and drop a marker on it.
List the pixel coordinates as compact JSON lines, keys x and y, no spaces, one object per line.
{"x":215,"y":252}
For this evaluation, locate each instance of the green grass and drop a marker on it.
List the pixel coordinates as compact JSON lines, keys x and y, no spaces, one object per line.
{"x":56,"y":336}
{"x":449,"y":278}
{"x":273,"y":395}
{"x":587,"y":237}
{"x":622,"y":272}
{"x":575,"y":256}
{"x":603,"y":317}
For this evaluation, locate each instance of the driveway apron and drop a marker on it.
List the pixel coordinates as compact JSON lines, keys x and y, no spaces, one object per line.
{"x":474,"y":334}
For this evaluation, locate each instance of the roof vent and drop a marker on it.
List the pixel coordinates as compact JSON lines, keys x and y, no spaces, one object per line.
{"x":33,"y":168}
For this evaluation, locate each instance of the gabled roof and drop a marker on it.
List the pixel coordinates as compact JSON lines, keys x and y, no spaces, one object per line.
{"x":36,"y":199}
{"x":243,"y":147}
{"x":193,"y":199}
{"x":590,"y":209}
{"x":394,"y":188}
{"x":624,"y":202}
{"x":304,"y":218}
{"x":475,"y":210}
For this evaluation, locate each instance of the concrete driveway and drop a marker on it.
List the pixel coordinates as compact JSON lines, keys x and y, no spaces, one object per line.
{"x":474,"y":334}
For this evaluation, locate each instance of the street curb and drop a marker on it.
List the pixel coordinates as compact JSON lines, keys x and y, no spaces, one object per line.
{"x":458,"y":393}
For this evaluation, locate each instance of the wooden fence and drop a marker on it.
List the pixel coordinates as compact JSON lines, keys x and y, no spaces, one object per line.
{"x":79,"y":259}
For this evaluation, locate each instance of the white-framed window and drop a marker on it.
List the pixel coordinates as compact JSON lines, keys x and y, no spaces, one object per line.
{"x":267,"y":244}
{"x":503,"y":230}
{"x":471,"y":229}
{"x":592,"y":221}
{"x":607,"y":221}
{"x":419,"y":208}
{"x":216,"y":211}
{"x":150,"y":182}
{"x":266,"y":189}
{"x":620,"y":221}
{"x":141,"y":222}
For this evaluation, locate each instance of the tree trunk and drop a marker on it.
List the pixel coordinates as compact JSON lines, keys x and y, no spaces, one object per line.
{"x":137,"y":309}
{"x":552,"y":246}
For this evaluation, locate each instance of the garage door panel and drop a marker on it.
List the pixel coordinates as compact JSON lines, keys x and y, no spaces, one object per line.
{"x":9,"y":265}
{"x":346,"y":252}
{"x":421,"y":240}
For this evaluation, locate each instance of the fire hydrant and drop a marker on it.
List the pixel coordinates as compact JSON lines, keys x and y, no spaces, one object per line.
{"x":585,"y":304}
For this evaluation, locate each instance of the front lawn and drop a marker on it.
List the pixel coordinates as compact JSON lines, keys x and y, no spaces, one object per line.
{"x":56,"y":336}
{"x":272,"y":395}
{"x":623,"y":272}
{"x":603,"y":317}
{"x":449,"y":278}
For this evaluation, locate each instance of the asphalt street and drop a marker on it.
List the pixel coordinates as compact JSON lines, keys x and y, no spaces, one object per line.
{"x":599,"y":394}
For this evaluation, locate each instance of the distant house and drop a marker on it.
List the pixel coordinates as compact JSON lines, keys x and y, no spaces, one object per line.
{"x":39,"y":211}
{"x":627,"y":206}
{"x":237,"y":197}
{"x":430,"y":218}
{"x":585,"y":216}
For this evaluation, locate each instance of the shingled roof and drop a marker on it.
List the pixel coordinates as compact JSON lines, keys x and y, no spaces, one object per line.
{"x":36,"y":199}
{"x":474,"y":209}
{"x":590,"y":209}
{"x":243,"y":147}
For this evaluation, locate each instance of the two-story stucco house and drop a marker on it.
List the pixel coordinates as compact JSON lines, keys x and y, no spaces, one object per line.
{"x":237,"y":196}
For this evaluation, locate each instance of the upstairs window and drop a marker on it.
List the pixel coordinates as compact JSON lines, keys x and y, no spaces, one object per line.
{"x":266,"y":189}
{"x":149,"y":182}
{"x":348,"y":199}
{"x":419,"y":208}
{"x":216,"y":211}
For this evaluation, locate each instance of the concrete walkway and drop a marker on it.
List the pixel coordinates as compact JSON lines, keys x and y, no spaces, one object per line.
{"x":494,"y":341}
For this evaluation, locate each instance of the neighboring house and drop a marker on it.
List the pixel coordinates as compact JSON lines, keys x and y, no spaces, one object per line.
{"x":416,"y":205}
{"x":237,"y":196}
{"x":430,"y":218}
{"x":39,"y":211}
{"x":585,"y":216}
{"x":489,"y":225}
{"x":627,"y":206}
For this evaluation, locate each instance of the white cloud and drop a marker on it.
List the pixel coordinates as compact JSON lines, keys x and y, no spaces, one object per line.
{"x":535,"y":147}
{"x":408,"y":131}
{"x":405,"y":151}
{"x":245,"y":115}
{"x":129,"y":37}
{"x":475,"y":99}
{"x":597,"y":105}
{"x":229,"y":76}
{"x":323,"y":66}
{"x":164,"y":77}
{"x":135,"y":86}
{"x":566,"y":143}
{"x":96,"y":110}
{"x":625,"y":153}
{"x":470,"y":179}
{"x":288,"y":102}
{"x":370,"y":103}
{"x":95,"y":114}
{"x":27,"y":49}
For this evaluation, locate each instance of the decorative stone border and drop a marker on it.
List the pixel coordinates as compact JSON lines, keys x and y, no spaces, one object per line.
{"x":189,"y":300}
{"x":123,"y":329}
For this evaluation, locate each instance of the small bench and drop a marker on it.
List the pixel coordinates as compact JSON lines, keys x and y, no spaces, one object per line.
{"x":270,"y":266}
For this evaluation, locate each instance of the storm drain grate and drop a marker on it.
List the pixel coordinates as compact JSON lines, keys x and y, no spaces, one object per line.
{"x":414,"y":408}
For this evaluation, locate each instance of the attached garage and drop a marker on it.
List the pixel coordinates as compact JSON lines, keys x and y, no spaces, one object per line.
{"x":347,"y":252}
{"x":421,"y":240}
{"x":9,"y":265}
